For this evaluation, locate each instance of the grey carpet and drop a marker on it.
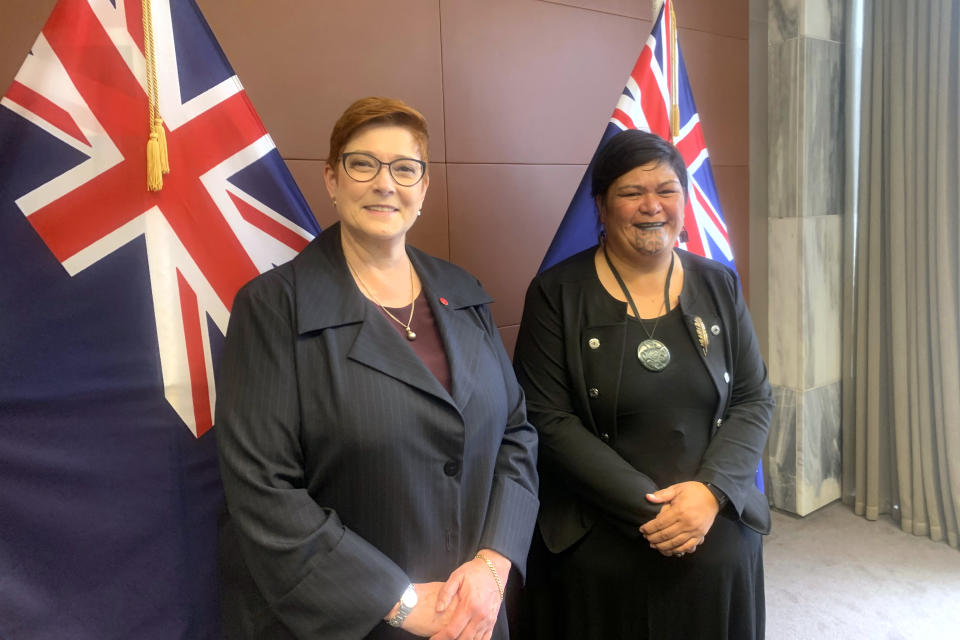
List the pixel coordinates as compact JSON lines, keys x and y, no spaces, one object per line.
{"x":833,"y":574}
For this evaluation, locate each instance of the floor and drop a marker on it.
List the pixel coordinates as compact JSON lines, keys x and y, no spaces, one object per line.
{"x":833,"y":574}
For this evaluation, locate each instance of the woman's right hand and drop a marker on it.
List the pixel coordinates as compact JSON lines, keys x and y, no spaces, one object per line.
{"x":424,"y":621}
{"x":685,"y":518}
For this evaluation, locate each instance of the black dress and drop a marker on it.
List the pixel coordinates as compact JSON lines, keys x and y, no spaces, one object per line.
{"x":610,"y":586}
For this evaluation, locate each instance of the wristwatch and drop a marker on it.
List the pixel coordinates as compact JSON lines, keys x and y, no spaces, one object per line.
{"x":407,"y":602}
{"x":721,"y":497}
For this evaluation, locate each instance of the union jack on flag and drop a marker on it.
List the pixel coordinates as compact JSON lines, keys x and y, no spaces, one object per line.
{"x":115,"y":300}
{"x":645,"y":104}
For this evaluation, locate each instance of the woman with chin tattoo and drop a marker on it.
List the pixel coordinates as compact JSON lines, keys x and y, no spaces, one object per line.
{"x":645,"y":382}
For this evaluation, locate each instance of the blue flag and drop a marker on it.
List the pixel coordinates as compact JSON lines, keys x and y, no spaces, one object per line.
{"x":646,"y":104}
{"x":115,"y":300}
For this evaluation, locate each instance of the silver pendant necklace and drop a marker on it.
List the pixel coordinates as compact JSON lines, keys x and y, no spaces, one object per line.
{"x":653,"y":354}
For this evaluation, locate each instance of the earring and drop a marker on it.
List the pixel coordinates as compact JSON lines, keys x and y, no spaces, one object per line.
{"x":684,"y":236}
{"x":334,"y":202}
{"x":418,"y":212}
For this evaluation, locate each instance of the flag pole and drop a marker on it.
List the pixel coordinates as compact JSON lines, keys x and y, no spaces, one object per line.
{"x":674,"y":74}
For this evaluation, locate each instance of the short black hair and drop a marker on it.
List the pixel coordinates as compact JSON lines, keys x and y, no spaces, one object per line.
{"x":630,"y":149}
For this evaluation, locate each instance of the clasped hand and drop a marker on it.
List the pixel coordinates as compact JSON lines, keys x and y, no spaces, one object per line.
{"x":686,"y":516}
{"x":465,"y":607}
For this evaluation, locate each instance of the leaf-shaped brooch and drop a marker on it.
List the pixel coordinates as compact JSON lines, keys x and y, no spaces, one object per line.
{"x":701,"y":334}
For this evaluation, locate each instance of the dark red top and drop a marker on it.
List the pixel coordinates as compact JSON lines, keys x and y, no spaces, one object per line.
{"x":428,"y":345}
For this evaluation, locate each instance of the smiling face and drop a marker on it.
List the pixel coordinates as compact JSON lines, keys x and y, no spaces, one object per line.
{"x":380,"y":209}
{"x":642,"y":211}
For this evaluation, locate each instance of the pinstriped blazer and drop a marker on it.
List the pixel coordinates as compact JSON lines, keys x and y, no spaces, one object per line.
{"x":348,"y":469}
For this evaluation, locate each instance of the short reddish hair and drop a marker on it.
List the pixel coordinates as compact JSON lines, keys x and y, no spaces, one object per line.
{"x":377,"y":111}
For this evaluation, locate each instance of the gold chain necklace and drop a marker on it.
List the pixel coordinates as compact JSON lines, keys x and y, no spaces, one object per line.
{"x":411,"y":334}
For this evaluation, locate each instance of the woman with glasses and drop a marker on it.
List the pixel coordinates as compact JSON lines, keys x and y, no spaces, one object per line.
{"x":377,"y":461}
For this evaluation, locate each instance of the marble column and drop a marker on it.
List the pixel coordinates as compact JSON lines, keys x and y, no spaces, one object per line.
{"x":805,"y":203}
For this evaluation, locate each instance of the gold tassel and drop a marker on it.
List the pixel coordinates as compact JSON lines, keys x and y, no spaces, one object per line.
{"x":162,"y":140}
{"x":158,"y":161}
{"x":154,"y":163}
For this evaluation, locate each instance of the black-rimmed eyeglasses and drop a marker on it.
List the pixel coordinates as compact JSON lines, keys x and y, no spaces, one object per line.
{"x":364,"y":167}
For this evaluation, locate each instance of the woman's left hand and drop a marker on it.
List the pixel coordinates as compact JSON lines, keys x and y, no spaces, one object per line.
{"x":688,"y":512}
{"x":479,"y":598}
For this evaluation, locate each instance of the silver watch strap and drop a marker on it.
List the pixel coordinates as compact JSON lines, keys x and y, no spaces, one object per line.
{"x":403,"y":610}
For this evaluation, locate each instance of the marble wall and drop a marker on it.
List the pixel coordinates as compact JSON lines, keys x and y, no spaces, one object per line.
{"x":805,"y":178}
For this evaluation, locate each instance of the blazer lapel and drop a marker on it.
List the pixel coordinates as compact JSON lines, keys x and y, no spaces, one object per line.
{"x":713,"y":359}
{"x":452,"y":295}
{"x":463,"y":339}
{"x":713,"y":354}
{"x":379,"y":346}
{"x":327,"y":298}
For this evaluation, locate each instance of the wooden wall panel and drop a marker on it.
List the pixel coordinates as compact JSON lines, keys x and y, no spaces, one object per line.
{"x":20,"y":24}
{"x":303,"y":62}
{"x":532,"y":82}
{"x":517,"y":94}
{"x":719,"y":17}
{"x":624,"y":8}
{"x":717,"y":68}
{"x":733,"y":185}
{"x":723,"y":17}
{"x":502,"y":218}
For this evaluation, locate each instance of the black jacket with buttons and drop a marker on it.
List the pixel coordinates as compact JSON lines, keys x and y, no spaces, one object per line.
{"x":581,"y":476}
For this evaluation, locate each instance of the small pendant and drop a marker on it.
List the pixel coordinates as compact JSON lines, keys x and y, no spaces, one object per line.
{"x":411,"y":336}
{"x":653,"y":355}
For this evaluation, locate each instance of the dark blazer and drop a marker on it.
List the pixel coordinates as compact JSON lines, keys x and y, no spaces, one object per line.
{"x":568,"y":383}
{"x":348,"y":469}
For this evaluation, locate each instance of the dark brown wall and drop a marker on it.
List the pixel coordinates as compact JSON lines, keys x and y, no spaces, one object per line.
{"x":517,"y":94}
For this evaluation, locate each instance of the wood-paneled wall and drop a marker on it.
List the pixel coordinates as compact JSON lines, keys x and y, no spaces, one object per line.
{"x":517,"y":94}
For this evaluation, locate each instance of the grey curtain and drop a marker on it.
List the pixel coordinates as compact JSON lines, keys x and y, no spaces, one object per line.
{"x":901,"y":391}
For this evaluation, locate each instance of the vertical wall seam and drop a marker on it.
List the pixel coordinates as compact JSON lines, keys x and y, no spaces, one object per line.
{"x":446,"y":141}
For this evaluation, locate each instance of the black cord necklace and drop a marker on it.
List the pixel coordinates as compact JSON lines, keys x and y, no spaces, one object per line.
{"x":653,"y":354}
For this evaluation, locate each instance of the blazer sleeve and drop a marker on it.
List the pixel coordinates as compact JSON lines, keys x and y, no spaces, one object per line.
{"x":321,"y":579}
{"x":730,"y":461}
{"x":568,"y":449}
{"x":512,"y":512}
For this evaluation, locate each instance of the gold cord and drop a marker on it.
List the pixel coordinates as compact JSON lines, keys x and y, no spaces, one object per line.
{"x":158,"y":162}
